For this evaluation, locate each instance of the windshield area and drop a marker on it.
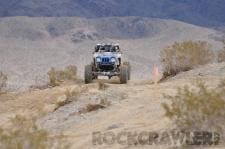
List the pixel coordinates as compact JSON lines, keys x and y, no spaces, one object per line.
{"x":107,"y":48}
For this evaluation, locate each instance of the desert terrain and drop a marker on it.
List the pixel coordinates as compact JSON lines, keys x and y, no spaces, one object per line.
{"x":31,"y":46}
{"x":35,"y":40}
{"x":133,"y":107}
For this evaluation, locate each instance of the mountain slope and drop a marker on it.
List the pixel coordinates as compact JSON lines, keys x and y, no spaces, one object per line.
{"x":200,"y":12}
{"x":29,"y":47}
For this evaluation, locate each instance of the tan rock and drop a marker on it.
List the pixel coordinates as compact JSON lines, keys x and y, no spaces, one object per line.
{"x":49,"y":108}
{"x":61,"y":100}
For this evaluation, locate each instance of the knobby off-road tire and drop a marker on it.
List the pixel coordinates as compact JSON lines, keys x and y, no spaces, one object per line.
{"x":94,"y":69}
{"x":88,"y":77}
{"x":128,"y":69}
{"x":123,"y":74}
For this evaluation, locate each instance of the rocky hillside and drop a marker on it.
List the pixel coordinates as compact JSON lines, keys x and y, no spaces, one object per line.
{"x":29,"y":47}
{"x":134,"y":107}
{"x":200,"y":12}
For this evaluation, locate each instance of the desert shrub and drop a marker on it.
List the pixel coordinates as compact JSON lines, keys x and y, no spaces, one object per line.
{"x":67,"y":98}
{"x":102,"y":86}
{"x":3,"y":80}
{"x":104,"y":103}
{"x":71,"y":93}
{"x":26,"y":135}
{"x":52,"y":74}
{"x":56,"y":77}
{"x":70,"y":73}
{"x":221,"y":54}
{"x":39,"y":83}
{"x":185,"y":56}
{"x":198,"y":109}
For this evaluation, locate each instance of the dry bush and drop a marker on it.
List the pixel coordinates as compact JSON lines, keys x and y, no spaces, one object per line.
{"x":3,"y":81}
{"x":39,"y":84}
{"x":71,"y":93}
{"x":94,"y":107}
{"x":56,"y":77}
{"x":221,"y":54}
{"x":185,"y":56}
{"x":70,"y":73}
{"x":62,"y":101}
{"x":26,"y":135}
{"x":68,"y":97}
{"x":104,"y":103}
{"x":198,"y":109}
{"x":102,"y":86}
{"x":221,"y":84}
{"x":52,"y":74}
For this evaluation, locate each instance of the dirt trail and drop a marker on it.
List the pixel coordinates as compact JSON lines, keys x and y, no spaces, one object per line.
{"x":134,"y":107}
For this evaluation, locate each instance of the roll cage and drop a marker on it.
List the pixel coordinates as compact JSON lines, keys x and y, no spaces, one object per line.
{"x":107,"y":48}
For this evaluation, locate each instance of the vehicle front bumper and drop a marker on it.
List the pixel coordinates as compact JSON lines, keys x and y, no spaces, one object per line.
{"x":106,"y":74}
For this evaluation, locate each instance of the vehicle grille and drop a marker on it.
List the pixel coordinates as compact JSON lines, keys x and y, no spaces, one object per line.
{"x":105,"y":60}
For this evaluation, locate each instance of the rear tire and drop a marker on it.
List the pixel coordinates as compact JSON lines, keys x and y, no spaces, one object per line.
{"x":123,"y":74}
{"x":88,"y":77}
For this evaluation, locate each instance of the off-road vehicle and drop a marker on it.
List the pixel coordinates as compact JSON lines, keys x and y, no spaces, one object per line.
{"x":107,"y":61}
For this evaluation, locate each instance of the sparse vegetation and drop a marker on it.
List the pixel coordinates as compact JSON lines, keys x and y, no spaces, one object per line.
{"x":56,"y":77}
{"x":198,"y":109}
{"x":62,"y":101}
{"x":39,"y":84}
{"x":221,"y":54}
{"x":102,"y":86}
{"x":3,"y":80}
{"x":69,"y":96}
{"x":26,"y":135}
{"x":71,"y":93}
{"x":185,"y":56}
{"x":94,"y":107}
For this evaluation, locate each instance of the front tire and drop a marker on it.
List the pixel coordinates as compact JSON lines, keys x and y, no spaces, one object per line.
{"x":88,"y":77}
{"x":94,"y":69}
{"x":123,"y":74}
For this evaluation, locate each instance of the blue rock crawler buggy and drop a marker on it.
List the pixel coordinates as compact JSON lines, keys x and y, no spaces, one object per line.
{"x":107,"y":61}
